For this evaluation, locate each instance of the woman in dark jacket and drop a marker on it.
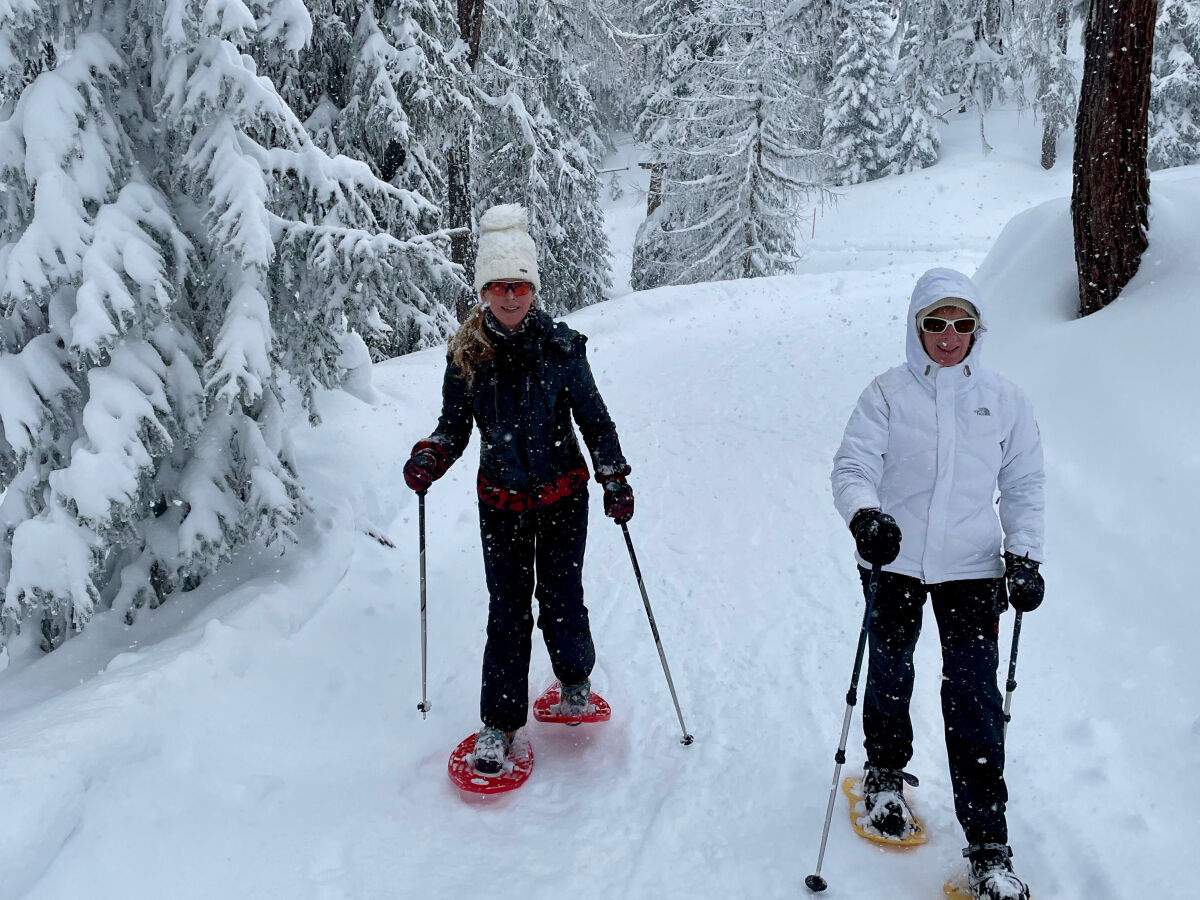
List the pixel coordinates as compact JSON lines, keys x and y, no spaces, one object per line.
{"x":522,"y":377}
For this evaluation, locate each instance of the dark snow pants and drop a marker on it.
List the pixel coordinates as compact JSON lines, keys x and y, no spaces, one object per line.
{"x":968,"y":619}
{"x":542,"y":547}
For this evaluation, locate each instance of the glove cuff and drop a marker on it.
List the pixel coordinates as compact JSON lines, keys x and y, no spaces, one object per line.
{"x":867,"y":512}
{"x":605,"y":474}
{"x":1013,"y":562}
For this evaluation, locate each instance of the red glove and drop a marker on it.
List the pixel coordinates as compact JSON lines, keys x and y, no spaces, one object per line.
{"x":618,"y":500}
{"x":427,"y":464}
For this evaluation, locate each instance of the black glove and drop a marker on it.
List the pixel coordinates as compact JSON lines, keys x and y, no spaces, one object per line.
{"x":1026,"y":587}
{"x":877,"y":536}
{"x":618,"y":500}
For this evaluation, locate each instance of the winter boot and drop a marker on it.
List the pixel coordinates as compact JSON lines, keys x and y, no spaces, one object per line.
{"x":991,"y":876}
{"x":883,"y":796}
{"x":491,"y":750}
{"x":573,"y":699}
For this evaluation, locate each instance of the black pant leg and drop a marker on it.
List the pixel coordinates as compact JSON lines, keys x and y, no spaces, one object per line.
{"x":892,"y":633}
{"x":508,"y":558}
{"x":968,"y":622}
{"x":562,"y":616}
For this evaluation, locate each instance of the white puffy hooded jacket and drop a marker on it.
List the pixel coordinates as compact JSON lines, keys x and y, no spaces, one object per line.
{"x":932,"y":445}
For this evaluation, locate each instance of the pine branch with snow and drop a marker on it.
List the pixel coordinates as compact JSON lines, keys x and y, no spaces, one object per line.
{"x":1175,"y":86}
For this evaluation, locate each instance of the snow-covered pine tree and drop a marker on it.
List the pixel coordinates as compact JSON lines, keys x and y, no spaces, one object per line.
{"x":315,"y":80}
{"x":811,"y":56}
{"x":924,"y":26}
{"x":1175,"y":86}
{"x":988,"y":69}
{"x":539,"y":144}
{"x":681,"y":40}
{"x":677,"y":34}
{"x":173,"y":248}
{"x":817,"y":26}
{"x":912,"y":139}
{"x":1055,"y":86}
{"x":724,"y":125}
{"x":969,"y":48}
{"x":606,"y":49}
{"x":379,"y":82}
{"x":857,"y":118}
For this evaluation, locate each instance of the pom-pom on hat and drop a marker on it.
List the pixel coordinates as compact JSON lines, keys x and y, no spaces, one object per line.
{"x":506,"y":251}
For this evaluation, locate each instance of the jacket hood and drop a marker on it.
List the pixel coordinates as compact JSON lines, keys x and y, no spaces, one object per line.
{"x":935,"y":285}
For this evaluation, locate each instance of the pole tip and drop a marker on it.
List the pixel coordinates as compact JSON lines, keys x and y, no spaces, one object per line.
{"x":815,"y":883}
{"x":686,"y":740}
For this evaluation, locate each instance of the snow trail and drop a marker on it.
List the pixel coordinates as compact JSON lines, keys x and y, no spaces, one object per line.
{"x":260,"y":738}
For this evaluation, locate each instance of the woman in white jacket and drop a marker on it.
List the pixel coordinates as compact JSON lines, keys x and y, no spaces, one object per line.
{"x":925,"y":452}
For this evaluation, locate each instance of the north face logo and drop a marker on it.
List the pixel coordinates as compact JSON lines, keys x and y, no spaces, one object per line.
{"x":983,"y":411}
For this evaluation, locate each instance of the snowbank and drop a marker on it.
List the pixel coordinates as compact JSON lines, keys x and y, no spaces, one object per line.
{"x":1107,"y":714}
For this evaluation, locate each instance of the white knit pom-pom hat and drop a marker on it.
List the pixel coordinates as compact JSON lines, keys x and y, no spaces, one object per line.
{"x":506,"y":251}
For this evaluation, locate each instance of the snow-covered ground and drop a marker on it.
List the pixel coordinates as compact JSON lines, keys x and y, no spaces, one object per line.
{"x":258,"y":738}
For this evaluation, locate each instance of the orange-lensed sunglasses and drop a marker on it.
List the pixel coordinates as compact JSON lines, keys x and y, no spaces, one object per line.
{"x":500,"y":288}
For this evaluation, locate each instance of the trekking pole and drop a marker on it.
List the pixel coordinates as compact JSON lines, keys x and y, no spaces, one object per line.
{"x":637,"y":571}
{"x":1011,"y":684}
{"x":424,"y":706}
{"x":815,"y":882}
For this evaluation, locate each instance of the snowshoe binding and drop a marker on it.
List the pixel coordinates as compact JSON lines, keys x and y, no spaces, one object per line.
{"x":571,"y":705}
{"x":574,"y":699}
{"x":991,"y":876}
{"x":491,"y":750}
{"x":883,"y":796}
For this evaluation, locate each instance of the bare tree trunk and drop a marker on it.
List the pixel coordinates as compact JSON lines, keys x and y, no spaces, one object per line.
{"x":747,"y":269}
{"x":1062,"y":23}
{"x":1111,"y":198}
{"x":654,"y":195}
{"x":1049,"y":146}
{"x":458,"y":175}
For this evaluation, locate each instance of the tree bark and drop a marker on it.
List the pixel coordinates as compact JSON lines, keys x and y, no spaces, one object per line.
{"x":458,"y":174}
{"x":1049,"y":146}
{"x":1111,"y":197}
{"x":1049,"y":129}
{"x":654,"y":195}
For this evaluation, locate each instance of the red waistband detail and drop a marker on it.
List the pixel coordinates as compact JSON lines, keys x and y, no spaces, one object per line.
{"x":546,"y":495}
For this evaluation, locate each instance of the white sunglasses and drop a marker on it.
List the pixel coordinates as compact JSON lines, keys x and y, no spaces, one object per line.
{"x":937,"y":325}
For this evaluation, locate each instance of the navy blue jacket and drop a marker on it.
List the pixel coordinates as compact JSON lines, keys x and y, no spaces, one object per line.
{"x":523,"y":401}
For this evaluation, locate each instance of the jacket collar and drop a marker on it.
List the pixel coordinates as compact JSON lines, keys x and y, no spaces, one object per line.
{"x":525,"y":340}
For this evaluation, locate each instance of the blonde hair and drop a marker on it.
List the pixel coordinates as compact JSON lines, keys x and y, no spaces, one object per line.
{"x":471,"y":345}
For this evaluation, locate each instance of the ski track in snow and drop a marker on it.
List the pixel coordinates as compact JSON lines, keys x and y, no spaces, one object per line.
{"x":258,"y":738}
